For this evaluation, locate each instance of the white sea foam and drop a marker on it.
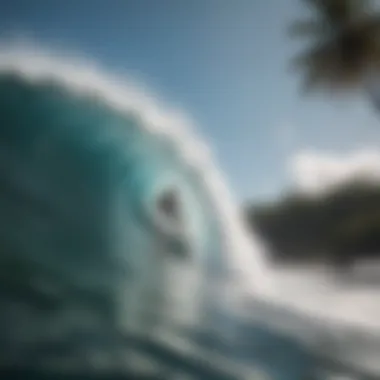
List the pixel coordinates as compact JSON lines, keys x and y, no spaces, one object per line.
{"x":83,"y":76}
{"x":245,"y":254}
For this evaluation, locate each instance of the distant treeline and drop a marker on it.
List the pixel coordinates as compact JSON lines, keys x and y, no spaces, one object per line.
{"x":339,"y":227}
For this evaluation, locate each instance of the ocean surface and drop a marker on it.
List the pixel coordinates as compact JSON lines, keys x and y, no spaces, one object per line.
{"x":117,"y":228}
{"x":337,"y":315}
{"x":313,"y":322}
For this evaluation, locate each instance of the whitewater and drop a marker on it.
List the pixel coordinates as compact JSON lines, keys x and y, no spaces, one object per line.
{"x":83,"y":76}
{"x":302,"y":304}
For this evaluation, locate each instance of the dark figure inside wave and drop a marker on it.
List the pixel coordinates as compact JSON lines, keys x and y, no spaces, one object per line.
{"x":108,"y":232}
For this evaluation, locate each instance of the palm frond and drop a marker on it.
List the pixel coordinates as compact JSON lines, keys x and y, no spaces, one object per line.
{"x":341,"y":56}
{"x":324,"y":66}
{"x":338,"y":12}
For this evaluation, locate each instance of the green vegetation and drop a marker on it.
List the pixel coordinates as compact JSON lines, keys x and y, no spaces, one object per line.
{"x":339,"y":226}
{"x":344,"y":49}
{"x":342,"y":53}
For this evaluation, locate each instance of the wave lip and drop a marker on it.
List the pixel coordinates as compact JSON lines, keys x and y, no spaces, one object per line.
{"x":81,"y":76}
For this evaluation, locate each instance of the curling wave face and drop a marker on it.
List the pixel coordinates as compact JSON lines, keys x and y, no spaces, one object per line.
{"x":113,"y":213}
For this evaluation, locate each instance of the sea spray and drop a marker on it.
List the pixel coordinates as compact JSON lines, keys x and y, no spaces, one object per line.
{"x":98,"y":150}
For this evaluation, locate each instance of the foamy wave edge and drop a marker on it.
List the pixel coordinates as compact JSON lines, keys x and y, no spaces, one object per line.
{"x":83,"y":76}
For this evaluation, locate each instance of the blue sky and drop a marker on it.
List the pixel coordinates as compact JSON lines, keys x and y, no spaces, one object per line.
{"x":225,"y":62}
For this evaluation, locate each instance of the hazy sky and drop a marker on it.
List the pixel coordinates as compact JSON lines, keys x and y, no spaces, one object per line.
{"x":225,"y":62}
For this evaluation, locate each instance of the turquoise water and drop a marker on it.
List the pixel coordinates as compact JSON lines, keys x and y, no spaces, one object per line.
{"x":112,"y":227}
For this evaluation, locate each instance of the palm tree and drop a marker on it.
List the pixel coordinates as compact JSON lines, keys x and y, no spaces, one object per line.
{"x":344,"y":51}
